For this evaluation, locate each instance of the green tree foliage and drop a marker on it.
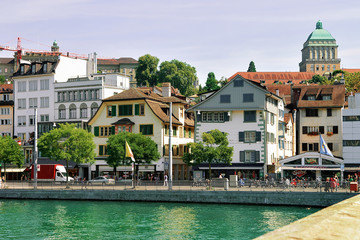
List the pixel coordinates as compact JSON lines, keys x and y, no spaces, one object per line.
{"x":2,"y":79}
{"x":211,"y":82}
{"x":322,"y":80}
{"x":352,"y":81}
{"x":143,"y":147}
{"x":251,"y":67}
{"x":336,"y":72}
{"x":180,"y":74}
{"x":212,"y":149}
{"x":68,"y":143}
{"x":10,"y":152}
{"x":146,"y":72}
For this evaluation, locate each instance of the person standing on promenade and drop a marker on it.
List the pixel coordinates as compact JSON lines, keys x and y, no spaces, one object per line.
{"x":165,"y":180}
{"x":83,"y":183}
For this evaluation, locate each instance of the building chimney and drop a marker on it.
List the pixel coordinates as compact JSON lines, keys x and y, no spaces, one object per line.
{"x":277,"y":92}
{"x":166,"y":89}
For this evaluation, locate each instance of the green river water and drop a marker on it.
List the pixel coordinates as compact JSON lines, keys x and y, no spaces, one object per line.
{"x":36,"y":219}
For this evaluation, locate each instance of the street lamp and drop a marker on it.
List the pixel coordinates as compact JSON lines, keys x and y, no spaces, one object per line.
{"x":35,"y":149}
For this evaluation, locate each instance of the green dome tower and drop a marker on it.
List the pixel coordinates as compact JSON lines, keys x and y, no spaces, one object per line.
{"x":320,"y":52}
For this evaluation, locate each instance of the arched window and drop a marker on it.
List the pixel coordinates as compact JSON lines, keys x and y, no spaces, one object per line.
{"x":72,"y":111}
{"x":94,"y":108}
{"x":83,"y":110}
{"x":62,"y":111}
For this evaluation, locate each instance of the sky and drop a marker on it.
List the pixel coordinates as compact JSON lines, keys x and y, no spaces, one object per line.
{"x":210,"y":35}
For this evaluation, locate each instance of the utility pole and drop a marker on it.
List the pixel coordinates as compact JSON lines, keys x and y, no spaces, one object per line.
{"x":35,"y":149}
{"x":170,"y":148}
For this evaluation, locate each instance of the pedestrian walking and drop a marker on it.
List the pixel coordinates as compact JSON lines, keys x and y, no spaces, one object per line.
{"x":165,"y":180}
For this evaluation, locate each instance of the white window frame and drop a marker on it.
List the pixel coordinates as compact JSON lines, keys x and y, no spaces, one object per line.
{"x":21,"y":120}
{"x":44,"y":84}
{"x":21,"y":86}
{"x":33,"y":102}
{"x":44,"y":102}
{"x":22,"y":103}
{"x":33,"y":85}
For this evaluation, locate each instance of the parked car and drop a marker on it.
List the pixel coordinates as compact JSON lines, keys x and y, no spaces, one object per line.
{"x":101,"y":181}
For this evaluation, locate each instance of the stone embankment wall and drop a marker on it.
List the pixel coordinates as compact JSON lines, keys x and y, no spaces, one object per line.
{"x":315,"y":199}
{"x":340,"y":221}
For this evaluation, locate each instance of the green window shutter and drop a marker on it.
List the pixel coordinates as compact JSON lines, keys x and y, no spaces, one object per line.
{"x":258,"y":136}
{"x":257,"y":156}
{"x":253,"y":156}
{"x":113,"y":111}
{"x":129,"y":109}
{"x":101,"y":150}
{"x":142,"y":129}
{"x":241,"y":136}
{"x":112,"y":130}
{"x":189,"y":132}
{"x":242,"y":156}
{"x":136,"y":109}
{"x":226,"y":117}
{"x":121,"y":110}
{"x":151,"y":130}
{"x":96,"y":131}
{"x":184,"y":132}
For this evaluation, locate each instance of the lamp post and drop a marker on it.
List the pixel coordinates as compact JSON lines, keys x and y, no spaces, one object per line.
{"x":170,"y":148}
{"x":35,"y":149}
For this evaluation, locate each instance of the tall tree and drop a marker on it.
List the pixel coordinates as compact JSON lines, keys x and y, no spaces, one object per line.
{"x":146,"y":72}
{"x":180,"y":74}
{"x":10,"y":152}
{"x":251,"y":67}
{"x":143,"y":147}
{"x":211,"y":82}
{"x":322,"y":80}
{"x":212,"y":149}
{"x":68,"y":143}
{"x":352,"y":81}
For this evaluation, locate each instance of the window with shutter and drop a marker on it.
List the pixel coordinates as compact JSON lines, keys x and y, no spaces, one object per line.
{"x":137,"y":109}
{"x":322,"y":129}
{"x":241,"y":136}
{"x":96,"y":131}
{"x":258,"y":136}
{"x":113,"y":111}
{"x":242,"y":156}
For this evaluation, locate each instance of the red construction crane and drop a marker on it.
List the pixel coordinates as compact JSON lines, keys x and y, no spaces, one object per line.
{"x":18,"y":49}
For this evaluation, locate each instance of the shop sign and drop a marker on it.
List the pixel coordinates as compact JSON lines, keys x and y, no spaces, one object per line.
{"x":299,"y":173}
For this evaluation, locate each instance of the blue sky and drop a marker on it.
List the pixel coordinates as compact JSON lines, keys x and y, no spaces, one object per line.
{"x":211,"y":35}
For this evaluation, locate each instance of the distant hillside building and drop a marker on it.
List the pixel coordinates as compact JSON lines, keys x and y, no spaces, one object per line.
{"x":125,"y":66}
{"x":6,"y":67}
{"x":320,"y":52}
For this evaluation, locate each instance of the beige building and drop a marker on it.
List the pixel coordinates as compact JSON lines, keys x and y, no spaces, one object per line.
{"x":319,"y":112}
{"x":144,"y":111}
{"x":320,"y":52}
{"x":125,"y":66}
{"x":6,"y":109}
{"x":6,"y":67}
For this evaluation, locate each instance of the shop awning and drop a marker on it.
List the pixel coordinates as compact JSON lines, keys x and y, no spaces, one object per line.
{"x":314,"y":168}
{"x":233,"y":168}
{"x":8,"y":170}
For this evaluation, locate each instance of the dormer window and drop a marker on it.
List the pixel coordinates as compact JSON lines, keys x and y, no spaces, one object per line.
{"x":311,"y":97}
{"x":45,"y":68}
{"x":22,"y":69}
{"x":326,"y":97}
{"x":33,"y":69}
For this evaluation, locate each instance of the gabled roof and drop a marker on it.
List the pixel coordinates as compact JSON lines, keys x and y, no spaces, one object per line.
{"x":337,"y":93}
{"x":157,"y":110}
{"x":284,"y":91}
{"x":124,"y":60}
{"x":6,"y":60}
{"x":138,"y":93}
{"x":271,"y":77}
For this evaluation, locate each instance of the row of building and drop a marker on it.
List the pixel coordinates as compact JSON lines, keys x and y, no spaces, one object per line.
{"x":273,"y":119}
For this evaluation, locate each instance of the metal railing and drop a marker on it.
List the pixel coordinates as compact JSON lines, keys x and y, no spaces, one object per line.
{"x":203,"y":185}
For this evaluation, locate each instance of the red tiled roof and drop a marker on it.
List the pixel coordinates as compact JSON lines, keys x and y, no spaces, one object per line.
{"x":157,"y":110}
{"x":337,"y":96}
{"x":288,"y":117}
{"x":6,"y":60}
{"x":284,"y":91}
{"x":115,"y":61}
{"x":271,"y":77}
{"x":351,"y":70}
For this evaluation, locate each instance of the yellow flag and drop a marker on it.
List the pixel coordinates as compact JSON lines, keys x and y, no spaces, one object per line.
{"x":128,"y":152}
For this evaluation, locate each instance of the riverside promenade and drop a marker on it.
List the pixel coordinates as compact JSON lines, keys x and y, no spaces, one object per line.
{"x":187,"y":194}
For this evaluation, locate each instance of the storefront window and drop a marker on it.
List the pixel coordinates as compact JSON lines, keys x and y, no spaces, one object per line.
{"x":311,"y":161}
